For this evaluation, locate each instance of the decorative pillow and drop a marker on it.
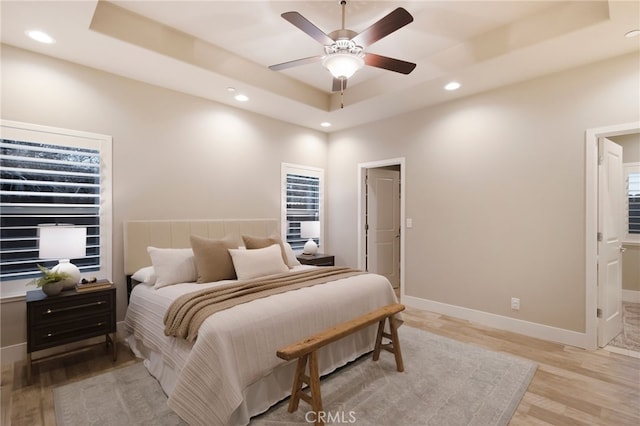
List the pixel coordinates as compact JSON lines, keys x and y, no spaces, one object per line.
{"x":292,"y":260}
{"x":213,"y":261}
{"x":146,"y":275}
{"x":172,"y":266}
{"x":258,"y":262}
{"x":252,"y":243}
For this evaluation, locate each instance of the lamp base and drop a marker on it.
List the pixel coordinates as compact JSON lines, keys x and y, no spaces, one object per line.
{"x":310,"y":247}
{"x":71,"y":270}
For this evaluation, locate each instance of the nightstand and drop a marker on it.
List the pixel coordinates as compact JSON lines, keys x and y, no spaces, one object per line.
{"x":318,"y":259}
{"x":69,"y":317}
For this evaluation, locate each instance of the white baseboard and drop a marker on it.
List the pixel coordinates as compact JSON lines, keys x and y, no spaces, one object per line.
{"x":631,"y":296}
{"x":540,"y":331}
{"x":15,"y":353}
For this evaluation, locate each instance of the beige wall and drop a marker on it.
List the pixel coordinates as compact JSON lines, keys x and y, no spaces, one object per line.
{"x":174,"y":155}
{"x":495,"y":185}
{"x":630,"y":147}
{"x":631,"y":268}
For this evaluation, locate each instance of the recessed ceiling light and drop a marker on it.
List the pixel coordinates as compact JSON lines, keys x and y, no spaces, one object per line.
{"x":241,"y":98}
{"x":40,"y":36}
{"x":231,"y":89}
{"x":454,"y":85}
{"x":632,"y":33}
{"x":325,"y":124}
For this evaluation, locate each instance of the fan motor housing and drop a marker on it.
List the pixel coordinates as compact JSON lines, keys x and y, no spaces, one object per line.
{"x":342,"y":34}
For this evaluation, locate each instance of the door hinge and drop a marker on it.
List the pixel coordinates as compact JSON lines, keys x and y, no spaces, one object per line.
{"x":600,"y":160}
{"x":599,"y":236}
{"x":599,"y":313}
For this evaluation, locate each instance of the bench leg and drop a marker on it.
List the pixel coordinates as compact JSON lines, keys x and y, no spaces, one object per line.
{"x":397,"y":352}
{"x":298,"y":380}
{"x":314,"y":398}
{"x":393,"y":346}
{"x":314,"y":385}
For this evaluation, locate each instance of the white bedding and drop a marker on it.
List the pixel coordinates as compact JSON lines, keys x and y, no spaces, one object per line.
{"x":231,"y":371}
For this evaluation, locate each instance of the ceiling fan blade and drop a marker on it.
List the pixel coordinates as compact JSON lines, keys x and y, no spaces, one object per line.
{"x":385,"y":26}
{"x":339,"y":84}
{"x":297,"y":62}
{"x":387,"y":63}
{"x":305,"y":25}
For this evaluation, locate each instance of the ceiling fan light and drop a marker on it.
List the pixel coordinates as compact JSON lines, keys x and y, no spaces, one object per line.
{"x":343,"y":65}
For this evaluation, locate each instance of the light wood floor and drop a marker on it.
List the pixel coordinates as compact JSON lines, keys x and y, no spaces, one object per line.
{"x":571,"y":386}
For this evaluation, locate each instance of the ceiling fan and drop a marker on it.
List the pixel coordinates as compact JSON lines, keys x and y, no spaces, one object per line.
{"x":344,"y":49}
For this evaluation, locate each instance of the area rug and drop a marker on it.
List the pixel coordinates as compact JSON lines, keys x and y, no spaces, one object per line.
{"x":445,"y":382}
{"x":630,"y":336}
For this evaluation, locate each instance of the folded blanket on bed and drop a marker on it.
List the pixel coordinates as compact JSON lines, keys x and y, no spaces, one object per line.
{"x":188,"y":312}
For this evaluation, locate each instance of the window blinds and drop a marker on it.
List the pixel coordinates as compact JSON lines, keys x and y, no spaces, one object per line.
{"x":303,"y":204}
{"x":46,"y":184}
{"x":634,"y":202}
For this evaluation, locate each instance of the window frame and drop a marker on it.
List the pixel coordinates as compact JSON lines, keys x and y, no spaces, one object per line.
{"x":286,"y":169}
{"x":28,"y":132}
{"x":629,"y":239}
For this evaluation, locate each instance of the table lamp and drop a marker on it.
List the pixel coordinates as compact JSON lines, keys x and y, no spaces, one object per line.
{"x":63,"y":242}
{"x":310,"y":230}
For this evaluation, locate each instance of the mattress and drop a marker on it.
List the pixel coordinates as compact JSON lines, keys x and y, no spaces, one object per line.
{"x":231,"y":372}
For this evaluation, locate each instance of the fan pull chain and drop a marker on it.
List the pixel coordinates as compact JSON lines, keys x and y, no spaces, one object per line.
{"x":342,"y":93}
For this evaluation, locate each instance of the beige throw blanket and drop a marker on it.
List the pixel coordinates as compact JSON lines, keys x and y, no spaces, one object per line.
{"x":187,"y":313}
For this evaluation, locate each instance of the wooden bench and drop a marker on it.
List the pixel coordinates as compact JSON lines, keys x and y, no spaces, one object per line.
{"x":306,"y":352}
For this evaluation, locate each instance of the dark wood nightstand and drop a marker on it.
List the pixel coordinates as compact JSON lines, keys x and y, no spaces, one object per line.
{"x":318,"y":259}
{"x":69,"y":317}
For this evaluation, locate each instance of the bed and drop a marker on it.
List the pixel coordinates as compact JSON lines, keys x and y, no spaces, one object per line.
{"x":230,"y":371}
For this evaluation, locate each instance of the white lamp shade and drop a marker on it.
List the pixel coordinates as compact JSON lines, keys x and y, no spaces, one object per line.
{"x":343,"y":65}
{"x":62,"y":242}
{"x":310,"y":229}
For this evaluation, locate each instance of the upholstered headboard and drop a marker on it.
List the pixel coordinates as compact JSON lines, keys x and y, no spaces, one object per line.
{"x":140,"y":234}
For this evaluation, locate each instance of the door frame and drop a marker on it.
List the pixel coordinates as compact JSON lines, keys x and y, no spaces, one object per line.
{"x":362,"y":173}
{"x":591,"y":222}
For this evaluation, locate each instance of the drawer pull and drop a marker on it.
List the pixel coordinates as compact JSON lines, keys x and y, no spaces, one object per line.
{"x":73,"y":308}
{"x":71,"y":330}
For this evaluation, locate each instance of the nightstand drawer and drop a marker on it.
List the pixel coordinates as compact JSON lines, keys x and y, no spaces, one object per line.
{"x":53,"y":334}
{"x":73,"y":308}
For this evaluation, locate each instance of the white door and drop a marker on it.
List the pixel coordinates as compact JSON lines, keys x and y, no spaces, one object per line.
{"x":611,"y":231}
{"x":383,"y":223}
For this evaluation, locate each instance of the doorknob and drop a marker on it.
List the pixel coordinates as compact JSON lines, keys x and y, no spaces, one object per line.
{"x":622,"y":249}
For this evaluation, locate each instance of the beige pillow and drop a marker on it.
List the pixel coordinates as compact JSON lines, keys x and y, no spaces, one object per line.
{"x":252,"y":243}
{"x":258,"y":262}
{"x":213,"y":261}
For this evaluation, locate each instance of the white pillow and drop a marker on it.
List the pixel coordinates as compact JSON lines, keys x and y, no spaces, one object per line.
{"x":146,"y":275}
{"x":173,"y":266}
{"x":292,"y":260}
{"x":258,"y":262}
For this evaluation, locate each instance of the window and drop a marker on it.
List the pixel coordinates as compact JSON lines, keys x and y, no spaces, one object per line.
{"x":52,"y":176}
{"x":302,"y":195}
{"x":632,"y":184}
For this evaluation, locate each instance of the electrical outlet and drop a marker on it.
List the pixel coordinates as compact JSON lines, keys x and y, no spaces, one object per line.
{"x":515,"y":303}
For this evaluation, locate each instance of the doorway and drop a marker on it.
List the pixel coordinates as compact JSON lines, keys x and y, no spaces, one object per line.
{"x":593,"y":302}
{"x":381,"y":210}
